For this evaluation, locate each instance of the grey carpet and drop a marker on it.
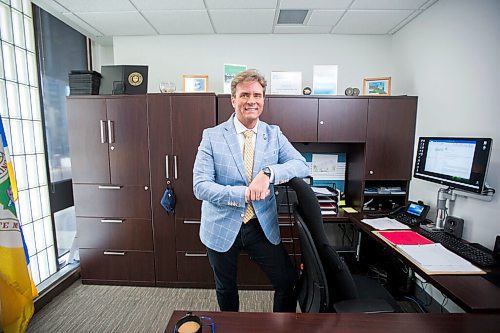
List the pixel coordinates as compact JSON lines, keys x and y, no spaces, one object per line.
{"x":93,"y":308}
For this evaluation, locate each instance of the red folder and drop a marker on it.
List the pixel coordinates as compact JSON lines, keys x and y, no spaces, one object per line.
{"x":405,"y":237}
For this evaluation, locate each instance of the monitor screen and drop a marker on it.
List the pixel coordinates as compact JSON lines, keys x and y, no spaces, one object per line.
{"x":460,"y":163}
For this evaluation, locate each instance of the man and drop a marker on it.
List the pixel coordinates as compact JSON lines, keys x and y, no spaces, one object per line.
{"x":235,"y":169}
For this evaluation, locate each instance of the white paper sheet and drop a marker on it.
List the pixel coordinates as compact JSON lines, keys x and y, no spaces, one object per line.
{"x":385,"y":223}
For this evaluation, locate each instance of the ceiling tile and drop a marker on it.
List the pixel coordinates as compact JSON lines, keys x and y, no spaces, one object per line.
{"x":97,"y":5}
{"x":325,"y":17}
{"x":370,"y":21}
{"x":231,"y":4}
{"x":176,"y":22}
{"x":388,"y":4}
{"x":119,"y":23}
{"x":314,"y":4}
{"x":72,"y":17}
{"x":301,"y":29}
{"x":168,"y":4}
{"x":255,"y":21}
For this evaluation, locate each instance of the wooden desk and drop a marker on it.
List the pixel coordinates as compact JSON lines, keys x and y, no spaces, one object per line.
{"x":252,"y":322}
{"x":473,"y":293}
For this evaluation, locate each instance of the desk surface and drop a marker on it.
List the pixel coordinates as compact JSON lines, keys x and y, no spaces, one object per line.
{"x":251,"y":322}
{"x":471,"y":292}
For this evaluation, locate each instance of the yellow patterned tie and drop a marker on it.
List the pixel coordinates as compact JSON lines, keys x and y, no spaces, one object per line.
{"x":248,"y":151}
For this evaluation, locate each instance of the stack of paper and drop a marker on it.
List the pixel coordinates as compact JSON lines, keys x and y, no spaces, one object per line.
{"x":436,"y":259}
{"x":385,"y":223}
{"x":328,"y":200}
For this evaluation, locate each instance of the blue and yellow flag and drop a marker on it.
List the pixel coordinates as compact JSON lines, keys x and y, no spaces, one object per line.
{"x":17,"y":289}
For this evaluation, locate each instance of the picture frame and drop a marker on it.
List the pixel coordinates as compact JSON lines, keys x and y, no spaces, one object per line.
{"x":377,"y":86}
{"x":195,"y":83}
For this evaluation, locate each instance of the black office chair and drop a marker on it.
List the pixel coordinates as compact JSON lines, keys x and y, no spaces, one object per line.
{"x":326,"y":284}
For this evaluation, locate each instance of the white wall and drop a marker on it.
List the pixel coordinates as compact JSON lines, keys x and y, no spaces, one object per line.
{"x":169,"y":57}
{"x":449,"y":57}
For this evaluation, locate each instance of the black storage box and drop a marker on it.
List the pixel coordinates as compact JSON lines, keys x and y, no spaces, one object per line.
{"x":83,"y":82}
{"x":124,"y":80}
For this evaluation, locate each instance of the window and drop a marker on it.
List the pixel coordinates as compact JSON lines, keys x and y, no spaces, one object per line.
{"x":22,"y":119}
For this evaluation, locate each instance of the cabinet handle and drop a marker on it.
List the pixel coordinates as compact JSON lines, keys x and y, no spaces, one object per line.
{"x":114,"y":253}
{"x":111,"y":132}
{"x":175,"y":166}
{"x":287,"y":240}
{"x":187,"y":254}
{"x":191,"y":222}
{"x":371,"y":172}
{"x":321,"y":122}
{"x":103,"y":131}
{"x":111,"y":221}
{"x":167,"y":175}
{"x":286,"y":224}
{"x":109,"y":187}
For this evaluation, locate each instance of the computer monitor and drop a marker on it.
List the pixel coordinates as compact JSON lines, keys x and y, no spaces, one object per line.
{"x":459,"y":163}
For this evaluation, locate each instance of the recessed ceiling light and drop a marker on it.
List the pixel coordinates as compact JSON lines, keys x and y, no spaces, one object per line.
{"x":292,"y":16}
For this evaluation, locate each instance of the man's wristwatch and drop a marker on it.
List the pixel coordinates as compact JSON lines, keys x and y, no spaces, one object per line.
{"x":267,"y":172}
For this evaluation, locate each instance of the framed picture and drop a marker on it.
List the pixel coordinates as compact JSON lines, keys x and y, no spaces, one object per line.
{"x":195,"y":83}
{"x":380,"y":86}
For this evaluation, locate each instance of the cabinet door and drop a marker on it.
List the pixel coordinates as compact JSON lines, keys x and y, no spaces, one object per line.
{"x":224,"y":108}
{"x":297,"y":117}
{"x":160,"y":134}
{"x":342,"y":120}
{"x":128,"y":136}
{"x":88,"y":140}
{"x":190,"y":116}
{"x":390,"y":138}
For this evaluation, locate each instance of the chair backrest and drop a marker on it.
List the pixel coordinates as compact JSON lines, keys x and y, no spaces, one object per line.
{"x":340,"y":283}
{"x":312,"y":289}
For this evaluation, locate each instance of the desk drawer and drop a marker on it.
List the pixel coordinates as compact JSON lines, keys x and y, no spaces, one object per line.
{"x":193,"y":266}
{"x":288,"y":229}
{"x":187,"y":234}
{"x":131,"y":266}
{"x":117,"y":234}
{"x":126,"y":201}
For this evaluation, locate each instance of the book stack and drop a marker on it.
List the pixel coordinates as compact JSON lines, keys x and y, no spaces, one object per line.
{"x":83,"y":82}
{"x":328,"y":200}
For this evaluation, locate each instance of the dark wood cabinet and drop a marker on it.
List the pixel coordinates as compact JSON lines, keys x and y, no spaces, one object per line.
{"x":109,"y":151}
{"x":107,"y":134}
{"x":376,"y":133}
{"x":176,"y":123}
{"x":296,"y":116}
{"x":126,"y":150}
{"x":342,"y":120}
{"x":390,"y":138}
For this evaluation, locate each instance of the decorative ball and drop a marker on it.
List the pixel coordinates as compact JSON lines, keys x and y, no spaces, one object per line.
{"x":167,"y":87}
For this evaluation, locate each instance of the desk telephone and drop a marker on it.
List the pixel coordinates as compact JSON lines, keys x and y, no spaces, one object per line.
{"x":412,"y":214}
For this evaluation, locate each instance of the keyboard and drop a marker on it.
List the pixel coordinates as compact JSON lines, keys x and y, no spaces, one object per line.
{"x":467,"y":251}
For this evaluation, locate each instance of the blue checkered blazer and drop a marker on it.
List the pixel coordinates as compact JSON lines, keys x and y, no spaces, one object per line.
{"x":219,"y":179}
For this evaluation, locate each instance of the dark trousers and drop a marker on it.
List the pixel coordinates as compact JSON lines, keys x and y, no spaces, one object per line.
{"x":273,"y":259}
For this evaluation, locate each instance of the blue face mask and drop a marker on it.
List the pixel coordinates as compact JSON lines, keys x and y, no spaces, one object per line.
{"x":168,"y":200}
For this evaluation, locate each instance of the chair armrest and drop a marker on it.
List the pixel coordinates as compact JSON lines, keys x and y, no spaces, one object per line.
{"x":363,"y":306}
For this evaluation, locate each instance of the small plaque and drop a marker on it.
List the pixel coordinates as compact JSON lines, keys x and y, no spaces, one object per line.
{"x":135,"y":79}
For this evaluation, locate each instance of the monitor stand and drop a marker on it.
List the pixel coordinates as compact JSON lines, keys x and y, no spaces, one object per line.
{"x":431,"y":227}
